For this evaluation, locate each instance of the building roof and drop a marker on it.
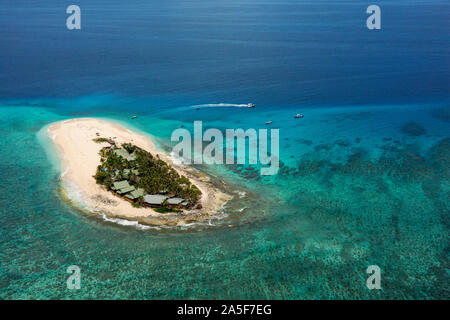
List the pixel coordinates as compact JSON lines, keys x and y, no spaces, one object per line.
{"x":126,"y":172}
{"x":175,"y":201}
{"x":135,"y":194}
{"x":125,"y":190}
{"x":154,"y":198}
{"x":120,"y":184}
{"x":124,"y":154}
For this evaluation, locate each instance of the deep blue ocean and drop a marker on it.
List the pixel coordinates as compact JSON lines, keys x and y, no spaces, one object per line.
{"x":364,"y":177}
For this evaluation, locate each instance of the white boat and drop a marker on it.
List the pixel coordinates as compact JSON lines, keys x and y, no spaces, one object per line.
{"x":133,"y":117}
{"x":251,"y":105}
{"x":268,"y":122}
{"x":298,"y":115}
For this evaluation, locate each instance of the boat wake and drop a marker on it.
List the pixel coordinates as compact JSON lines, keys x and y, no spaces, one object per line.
{"x":221,"y":105}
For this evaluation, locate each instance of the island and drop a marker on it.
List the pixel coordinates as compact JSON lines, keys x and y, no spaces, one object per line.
{"x":142,"y":179}
{"x":110,"y":170}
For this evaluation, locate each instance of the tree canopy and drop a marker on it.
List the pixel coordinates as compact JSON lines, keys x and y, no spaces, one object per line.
{"x":147,"y":172}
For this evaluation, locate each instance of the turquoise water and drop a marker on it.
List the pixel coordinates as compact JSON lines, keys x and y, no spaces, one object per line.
{"x":344,"y":200}
{"x":364,"y":177}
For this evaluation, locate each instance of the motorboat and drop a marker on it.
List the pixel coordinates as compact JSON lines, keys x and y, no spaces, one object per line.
{"x":298,"y":115}
{"x":268,"y":122}
{"x":251,"y":105}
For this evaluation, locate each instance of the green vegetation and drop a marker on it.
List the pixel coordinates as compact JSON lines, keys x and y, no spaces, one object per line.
{"x":166,"y":210}
{"x":136,"y":204}
{"x":100,"y":140}
{"x":143,"y":171}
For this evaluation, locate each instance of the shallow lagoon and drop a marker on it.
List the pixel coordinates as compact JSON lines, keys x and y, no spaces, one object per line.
{"x":308,"y":232}
{"x":364,"y":178}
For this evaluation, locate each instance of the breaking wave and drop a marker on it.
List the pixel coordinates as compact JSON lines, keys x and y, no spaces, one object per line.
{"x":129,"y":223}
{"x":64,"y":173}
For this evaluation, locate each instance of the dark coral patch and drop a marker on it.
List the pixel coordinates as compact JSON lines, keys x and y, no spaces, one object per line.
{"x":413,"y":129}
{"x":304,"y":141}
{"x":342,"y":143}
{"x":442,"y":114}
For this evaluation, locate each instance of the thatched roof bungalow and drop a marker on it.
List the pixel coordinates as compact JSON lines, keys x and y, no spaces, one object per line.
{"x":154,"y":199}
{"x":133,"y":195}
{"x":122,"y":187}
{"x":124,"y":154}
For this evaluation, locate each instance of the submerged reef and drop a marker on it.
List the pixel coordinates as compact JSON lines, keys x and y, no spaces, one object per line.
{"x":391,"y":210}
{"x":442,"y":114}
{"x":413,"y":129}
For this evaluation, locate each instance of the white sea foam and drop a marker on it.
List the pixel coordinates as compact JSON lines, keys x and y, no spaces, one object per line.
{"x":75,"y":194}
{"x":129,"y":223}
{"x":65,"y":172}
{"x":177,"y":160}
{"x":51,"y":134}
{"x":242,"y":194}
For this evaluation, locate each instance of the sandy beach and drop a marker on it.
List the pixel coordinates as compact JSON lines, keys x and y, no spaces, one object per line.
{"x":80,"y":158}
